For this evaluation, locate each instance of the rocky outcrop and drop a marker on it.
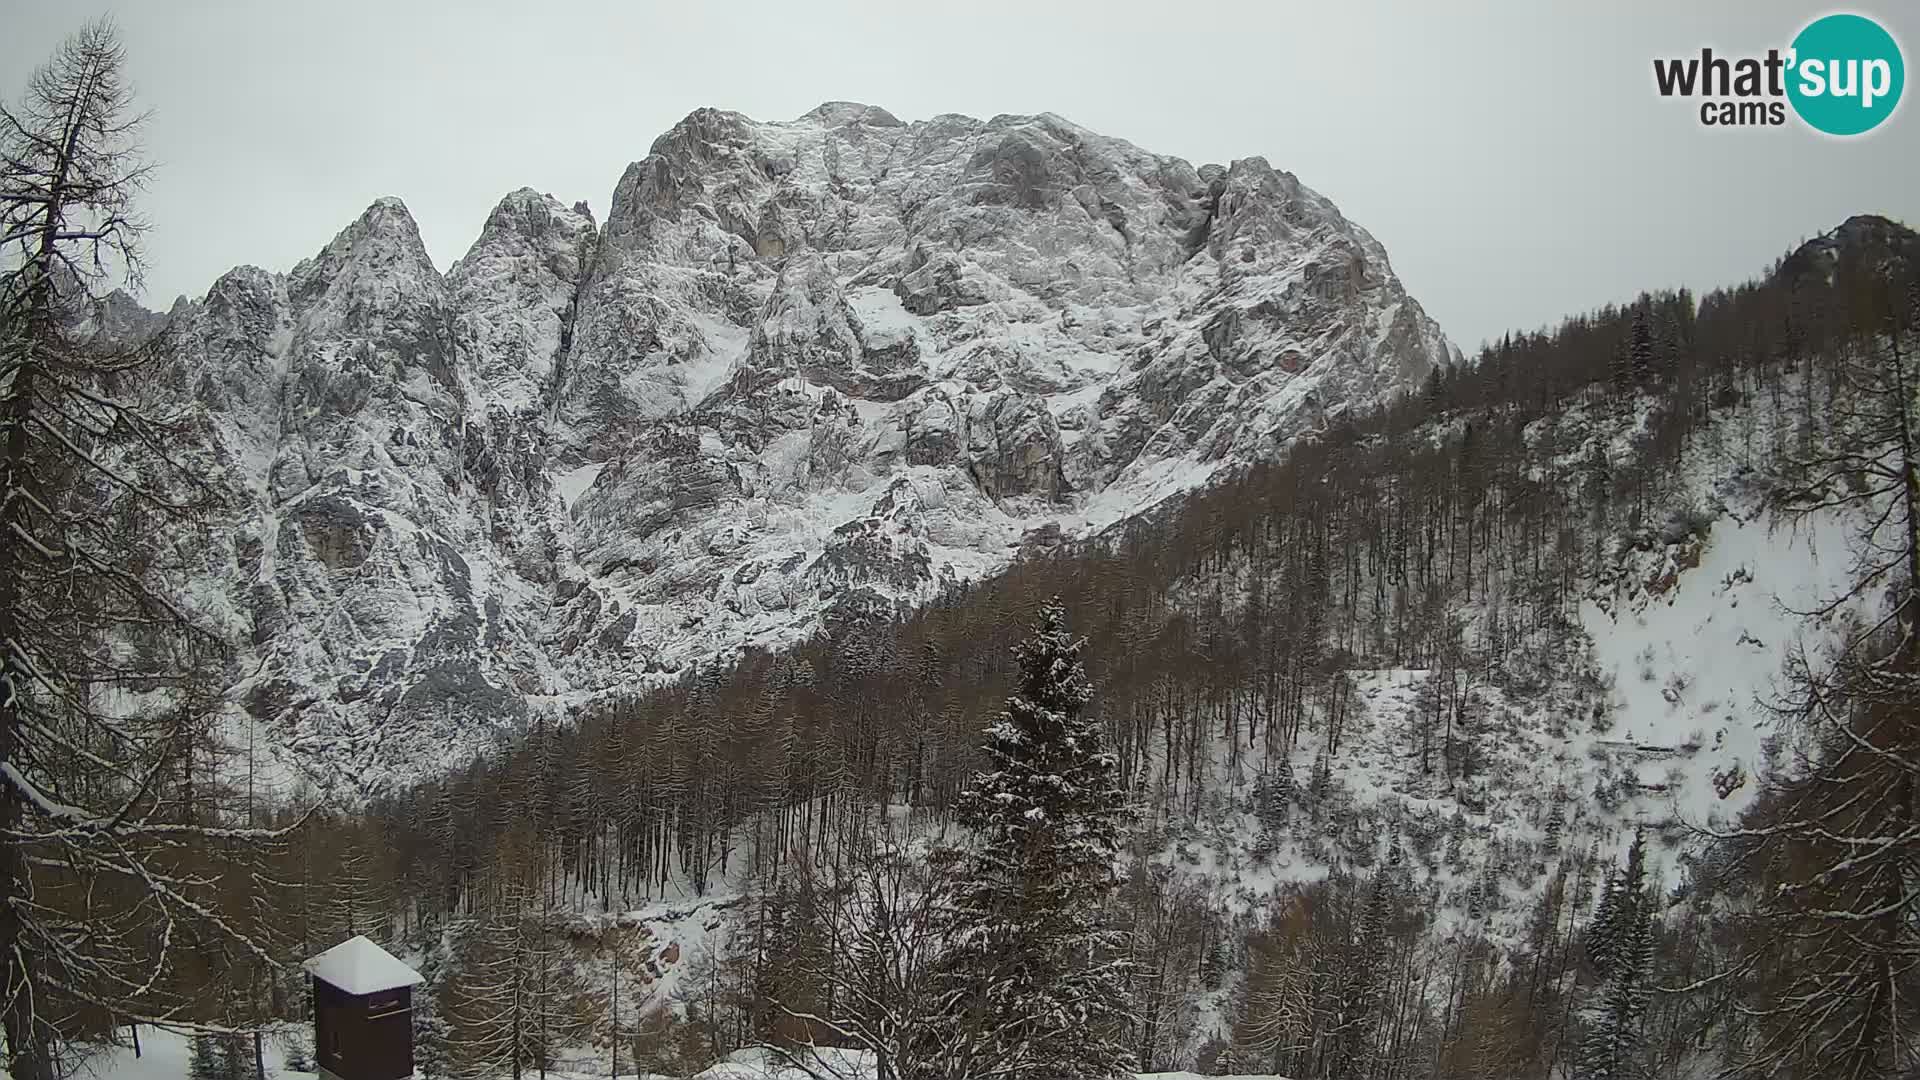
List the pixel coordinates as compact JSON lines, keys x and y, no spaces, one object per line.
{"x":512,"y":298}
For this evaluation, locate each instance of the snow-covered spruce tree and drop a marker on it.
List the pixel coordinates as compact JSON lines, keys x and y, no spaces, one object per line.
{"x":105,"y":868}
{"x":430,"y":1027}
{"x":1612,"y":916}
{"x":203,"y":1060}
{"x":1622,"y":951}
{"x":1364,"y":981}
{"x":1273,"y":796}
{"x":220,"y":1057}
{"x":1032,"y":985}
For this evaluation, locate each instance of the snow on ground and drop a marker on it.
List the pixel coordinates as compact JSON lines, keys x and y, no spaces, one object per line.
{"x":761,"y":1064}
{"x":823,"y":1063}
{"x":726,"y":349}
{"x":164,"y":1055}
{"x":657,"y":946}
{"x":1695,"y":657}
{"x":884,"y":321}
{"x":1137,"y":490}
{"x":1199,"y":1076}
{"x":1653,"y":714}
{"x":1686,"y":651}
{"x":574,"y":482}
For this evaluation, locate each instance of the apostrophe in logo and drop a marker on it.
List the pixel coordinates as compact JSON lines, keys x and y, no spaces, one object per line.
{"x":1847,"y":74}
{"x":1842,"y":75}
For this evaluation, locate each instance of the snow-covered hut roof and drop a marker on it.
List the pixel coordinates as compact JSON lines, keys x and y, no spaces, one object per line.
{"x":358,"y":966}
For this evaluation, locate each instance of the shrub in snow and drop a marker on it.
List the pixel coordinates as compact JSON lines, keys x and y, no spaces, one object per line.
{"x":1685,"y":523}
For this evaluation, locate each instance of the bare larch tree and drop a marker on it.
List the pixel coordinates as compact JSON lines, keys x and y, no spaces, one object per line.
{"x":110,"y":878}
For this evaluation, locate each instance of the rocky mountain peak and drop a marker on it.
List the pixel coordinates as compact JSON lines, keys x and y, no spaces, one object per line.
{"x":383,"y":243}
{"x":531,"y":214}
{"x":512,"y":297}
{"x":1869,"y":237}
{"x":831,"y":364}
{"x":841,"y":113}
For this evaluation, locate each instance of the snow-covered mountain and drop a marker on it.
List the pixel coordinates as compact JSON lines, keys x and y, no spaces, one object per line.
{"x":836,"y":361}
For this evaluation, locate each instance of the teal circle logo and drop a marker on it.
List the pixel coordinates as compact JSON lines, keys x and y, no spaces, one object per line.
{"x":1846,"y":74}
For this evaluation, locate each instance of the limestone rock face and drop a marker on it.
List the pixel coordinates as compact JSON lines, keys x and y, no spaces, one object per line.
{"x":826,"y":364}
{"x":511,"y":299}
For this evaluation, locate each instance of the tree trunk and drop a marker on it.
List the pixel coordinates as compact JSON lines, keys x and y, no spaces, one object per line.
{"x":26,"y":1054}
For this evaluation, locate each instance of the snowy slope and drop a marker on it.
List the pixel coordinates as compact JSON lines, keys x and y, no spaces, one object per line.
{"x":164,"y":1055}
{"x":1694,"y":663}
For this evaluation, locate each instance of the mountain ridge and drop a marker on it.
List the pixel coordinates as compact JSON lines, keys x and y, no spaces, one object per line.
{"x":842,"y":361}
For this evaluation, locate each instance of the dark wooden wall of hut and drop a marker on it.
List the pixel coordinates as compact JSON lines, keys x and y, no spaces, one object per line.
{"x":366,"y":1037}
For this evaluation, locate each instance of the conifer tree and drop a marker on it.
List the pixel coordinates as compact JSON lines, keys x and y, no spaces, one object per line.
{"x":1622,"y":951}
{"x":430,"y":1027}
{"x":1622,"y":900}
{"x":1640,"y":351}
{"x":1603,"y":930}
{"x":1321,"y":781}
{"x":360,"y":885}
{"x":504,"y":1006}
{"x":1620,"y":369}
{"x":1273,"y":796}
{"x":1031,"y":984}
{"x":219,"y":1057}
{"x":1366,"y":977}
{"x":203,"y":1060}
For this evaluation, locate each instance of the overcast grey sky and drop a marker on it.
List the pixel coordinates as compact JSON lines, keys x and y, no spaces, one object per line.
{"x":1513,"y":158}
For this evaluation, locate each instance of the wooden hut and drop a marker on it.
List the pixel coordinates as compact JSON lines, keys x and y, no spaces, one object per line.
{"x":362,"y":1012}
